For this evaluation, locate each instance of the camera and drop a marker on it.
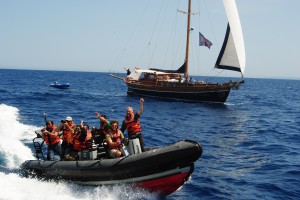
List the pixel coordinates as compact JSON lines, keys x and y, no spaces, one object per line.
{"x":63,"y":121}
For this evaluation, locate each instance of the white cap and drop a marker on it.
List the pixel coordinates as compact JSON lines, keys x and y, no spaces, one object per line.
{"x":68,"y":118}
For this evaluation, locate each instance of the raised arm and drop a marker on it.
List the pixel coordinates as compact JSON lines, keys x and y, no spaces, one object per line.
{"x":101,"y":118}
{"x":66,"y":125}
{"x":141,"y":106}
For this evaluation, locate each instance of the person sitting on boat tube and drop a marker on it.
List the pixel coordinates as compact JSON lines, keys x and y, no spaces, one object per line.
{"x":132,"y":124}
{"x":68,"y":128}
{"x":52,"y":139}
{"x":115,"y":140}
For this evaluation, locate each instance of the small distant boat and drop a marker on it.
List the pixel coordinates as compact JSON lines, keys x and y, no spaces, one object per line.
{"x":60,"y":85}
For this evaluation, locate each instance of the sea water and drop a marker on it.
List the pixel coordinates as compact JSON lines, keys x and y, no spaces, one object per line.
{"x":251,"y":143}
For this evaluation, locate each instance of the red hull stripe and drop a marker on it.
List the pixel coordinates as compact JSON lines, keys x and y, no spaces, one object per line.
{"x":165,"y":185}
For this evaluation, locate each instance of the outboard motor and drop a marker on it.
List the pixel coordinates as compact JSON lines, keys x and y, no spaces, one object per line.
{"x":38,"y":145}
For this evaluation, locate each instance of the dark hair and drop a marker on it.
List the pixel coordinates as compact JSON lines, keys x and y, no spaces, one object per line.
{"x":114,"y":122}
{"x":49,"y":122}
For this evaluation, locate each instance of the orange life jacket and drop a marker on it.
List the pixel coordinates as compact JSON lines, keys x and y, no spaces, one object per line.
{"x":67,"y":136}
{"x":115,"y":138}
{"x":87,"y":144}
{"x":88,"y":135}
{"x":51,"y":139}
{"x":77,"y":145}
{"x":133,"y":127}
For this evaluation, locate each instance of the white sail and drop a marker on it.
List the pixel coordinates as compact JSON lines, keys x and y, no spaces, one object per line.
{"x":232,"y":55}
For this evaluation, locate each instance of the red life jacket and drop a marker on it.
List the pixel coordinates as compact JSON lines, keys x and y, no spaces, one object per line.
{"x":133,"y":127}
{"x":88,"y":135}
{"x":77,"y":145}
{"x":87,"y":144}
{"x":67,"y":136}
{"x":115,"y":138}
{"x":51,"y":139}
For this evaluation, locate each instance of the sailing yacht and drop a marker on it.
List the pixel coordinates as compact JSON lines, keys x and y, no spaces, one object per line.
{"x":175,"y":84}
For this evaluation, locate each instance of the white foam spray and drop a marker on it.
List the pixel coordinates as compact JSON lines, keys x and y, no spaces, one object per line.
{"x":13,"y":135}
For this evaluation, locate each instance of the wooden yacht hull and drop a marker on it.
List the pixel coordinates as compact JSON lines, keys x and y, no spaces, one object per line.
{"x":212,"y":93}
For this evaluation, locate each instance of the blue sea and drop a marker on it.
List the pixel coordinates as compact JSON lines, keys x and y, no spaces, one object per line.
{"x":251,"y":143}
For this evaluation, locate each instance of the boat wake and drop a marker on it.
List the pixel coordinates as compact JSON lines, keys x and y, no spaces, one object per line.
{"x":14,"y":187}
{"x":14,"y":138}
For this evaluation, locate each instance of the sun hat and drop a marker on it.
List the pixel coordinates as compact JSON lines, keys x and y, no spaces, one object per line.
{"x":68,"y":118}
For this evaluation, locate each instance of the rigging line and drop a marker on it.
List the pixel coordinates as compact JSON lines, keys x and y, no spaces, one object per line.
{"x":159,"y":13}
{"x":181,"y":43}
{"x":199,"y":49}
{"x":122,"y":52}
{"x":211,"y":24}
{"x":193,"y":56}
{"x":175,"y":28}
{"x":169,"y":43}
{"x":149,"y":43}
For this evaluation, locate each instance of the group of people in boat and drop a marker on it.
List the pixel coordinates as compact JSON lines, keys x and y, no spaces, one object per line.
{"x":67,"y":139}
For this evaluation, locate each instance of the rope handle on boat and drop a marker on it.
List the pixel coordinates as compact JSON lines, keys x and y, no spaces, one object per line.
{"x":98,"y":161}
{"x":39,"y":164}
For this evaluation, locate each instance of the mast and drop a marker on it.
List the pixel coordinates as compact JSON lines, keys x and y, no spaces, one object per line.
{"x":187,"y":41}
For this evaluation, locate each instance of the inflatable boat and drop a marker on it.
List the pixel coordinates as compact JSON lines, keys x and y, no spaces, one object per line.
{"x":158,"y":169}
{"x":60,"y":85}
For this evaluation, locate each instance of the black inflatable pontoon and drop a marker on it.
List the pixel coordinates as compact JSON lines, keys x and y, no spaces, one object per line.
{"x":161,"y":170}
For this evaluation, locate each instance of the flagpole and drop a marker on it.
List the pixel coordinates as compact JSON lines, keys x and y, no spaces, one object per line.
{"x":187,"y":41}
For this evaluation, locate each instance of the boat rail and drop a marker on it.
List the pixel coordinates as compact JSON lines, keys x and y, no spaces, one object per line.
{"x":174,"y":84}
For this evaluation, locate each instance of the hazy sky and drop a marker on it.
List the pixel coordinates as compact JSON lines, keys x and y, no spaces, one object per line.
{"x":107,"y":35}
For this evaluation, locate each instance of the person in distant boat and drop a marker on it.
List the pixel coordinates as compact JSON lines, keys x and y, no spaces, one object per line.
{"x":191,"y":80}
{"x":155,"y":77}
{"x":68,"y":128}
{"x":99,"y":134}
{"x":115,"y":140}
{"x":132,"y":124}
{"x":128,"y":71}
{"x":78,"y":144}
{"x":52,"y":139}
{"x":179,"y":79}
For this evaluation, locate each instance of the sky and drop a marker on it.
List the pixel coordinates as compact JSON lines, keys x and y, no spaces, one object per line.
{"x":108,"y":35}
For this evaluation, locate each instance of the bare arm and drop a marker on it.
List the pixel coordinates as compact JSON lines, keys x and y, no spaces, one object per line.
{"x":70,"y":128}
{"x":101,"y":118}
{"x":110,"y":142}
{"x":141,"y":106}
{"x":53,"y":133}
{"x":59,"y":127}
{"x":64,"y":124}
